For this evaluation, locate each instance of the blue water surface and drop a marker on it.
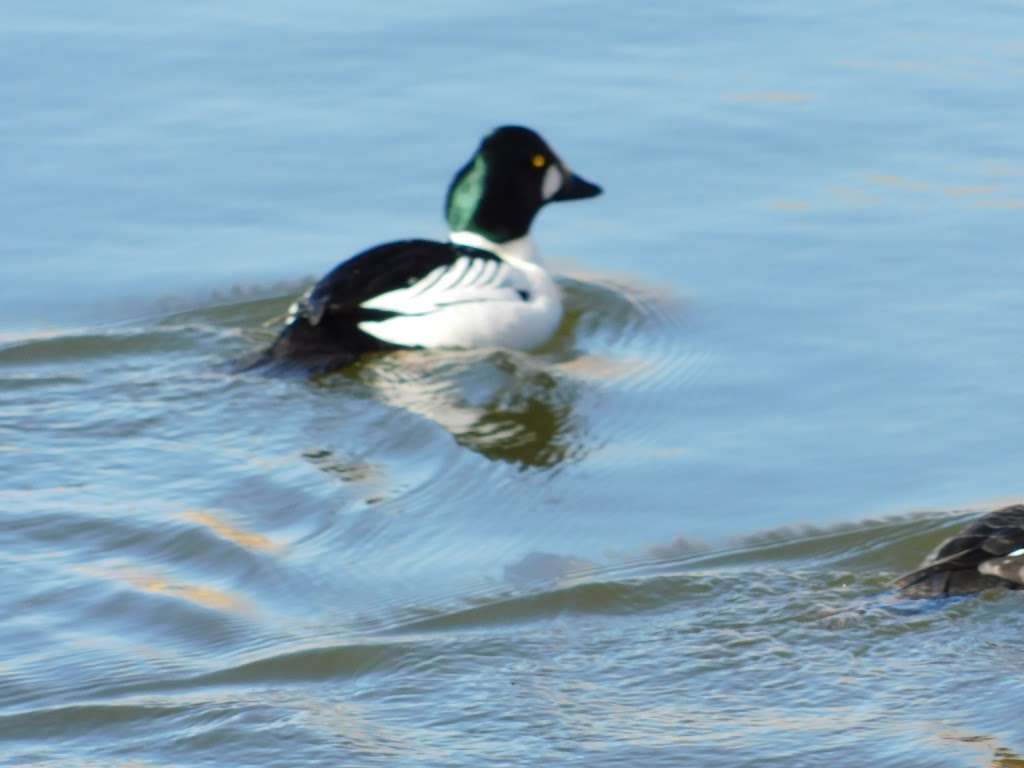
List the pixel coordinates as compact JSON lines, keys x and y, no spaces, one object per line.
{"x":666,"y":539}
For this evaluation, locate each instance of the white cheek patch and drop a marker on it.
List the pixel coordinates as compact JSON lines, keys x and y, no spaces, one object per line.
{"x":552,"y":182}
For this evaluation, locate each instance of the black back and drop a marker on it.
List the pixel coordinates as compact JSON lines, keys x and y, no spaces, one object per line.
{"x":325,"y":329}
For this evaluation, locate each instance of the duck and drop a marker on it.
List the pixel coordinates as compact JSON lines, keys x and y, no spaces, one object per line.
{"x":486,"y":286}
{"x":985,"y":554}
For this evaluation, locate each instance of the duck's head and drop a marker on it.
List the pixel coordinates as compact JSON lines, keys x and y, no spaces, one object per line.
{"x":512,"y":175}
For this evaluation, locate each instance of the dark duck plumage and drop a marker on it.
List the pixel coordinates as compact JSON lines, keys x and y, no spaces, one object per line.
{"x":987,"y":553}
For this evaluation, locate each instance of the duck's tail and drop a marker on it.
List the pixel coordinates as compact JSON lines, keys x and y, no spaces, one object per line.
{"x":947,"y":577}
{"x":312,"y":348}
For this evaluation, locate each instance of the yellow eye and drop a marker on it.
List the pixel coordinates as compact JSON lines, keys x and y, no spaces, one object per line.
{"x":539,"y":161}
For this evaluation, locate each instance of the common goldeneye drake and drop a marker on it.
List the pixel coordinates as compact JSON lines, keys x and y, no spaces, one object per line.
{"x":485,"y":287}
{"x":987,"y":553}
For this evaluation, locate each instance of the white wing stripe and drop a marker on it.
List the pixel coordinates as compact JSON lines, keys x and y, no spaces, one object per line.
{"x":476,"y":266}
{"x":425,"y":283}
{"x":500,"y":275}
{"x":488,"y":272}
{"x":466,"y":281}
{"x":452,"y":276}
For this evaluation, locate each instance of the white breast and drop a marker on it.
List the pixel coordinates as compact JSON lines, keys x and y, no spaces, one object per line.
{"x":473,"y":302}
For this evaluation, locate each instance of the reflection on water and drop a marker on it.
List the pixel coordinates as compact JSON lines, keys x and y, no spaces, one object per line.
{"x":234,"y":568}
{"x":137,"y":578}
{"x":348,"y":469}
{"x":1005,"y":758}
{"x":500,"y":404}
{"x":213,"y":520}
{"x":515,"y":407}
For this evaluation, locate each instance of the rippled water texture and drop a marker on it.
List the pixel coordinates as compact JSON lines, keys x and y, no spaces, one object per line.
{"x":790,"y":366}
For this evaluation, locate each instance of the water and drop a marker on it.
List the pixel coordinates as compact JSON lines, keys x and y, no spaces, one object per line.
{"x":791,"y":366}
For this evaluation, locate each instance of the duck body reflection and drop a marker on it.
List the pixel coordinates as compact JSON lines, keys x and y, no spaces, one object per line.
{"x":517,"y":407}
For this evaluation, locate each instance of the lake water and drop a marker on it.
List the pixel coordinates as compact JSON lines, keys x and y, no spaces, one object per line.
{"x":791,"y":366}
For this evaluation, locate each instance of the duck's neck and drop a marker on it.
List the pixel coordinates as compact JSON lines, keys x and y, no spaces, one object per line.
{"x":521,"y":249}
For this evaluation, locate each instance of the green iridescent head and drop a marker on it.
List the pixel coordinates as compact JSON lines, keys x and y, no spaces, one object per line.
{"x":511,"y":177}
